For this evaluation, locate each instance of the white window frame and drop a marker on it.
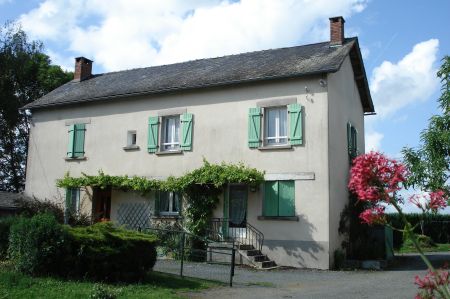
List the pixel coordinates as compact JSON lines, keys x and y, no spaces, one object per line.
{"x":130,"y":134}
{"x":170,"y":212}
{"x":175,"y":146}
{"x":265,"y":129}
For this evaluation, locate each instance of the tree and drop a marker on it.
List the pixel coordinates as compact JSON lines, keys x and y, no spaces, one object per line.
{"x":26,"y":74}
{"x":430,"y":162}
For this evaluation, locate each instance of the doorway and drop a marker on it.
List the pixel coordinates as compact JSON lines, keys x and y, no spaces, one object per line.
{"x":235,"y":210}
{"x":101,"y":204}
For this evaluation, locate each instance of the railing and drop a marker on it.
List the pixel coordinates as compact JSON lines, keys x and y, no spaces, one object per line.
{"x":246,"y":235}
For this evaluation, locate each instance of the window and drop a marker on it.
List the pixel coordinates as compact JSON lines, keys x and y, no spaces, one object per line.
{"x":352,"y":141}
{"x":175,"y":132}
{"x":279,"y":198}
{"x":282,"y":125}
{"x":131,"y":138}
{"x":170,"y":140}
{"x":275,"y":126}
{"x":169,"y":203}
{"x":72,"y":203}
{"x":76,"y":141}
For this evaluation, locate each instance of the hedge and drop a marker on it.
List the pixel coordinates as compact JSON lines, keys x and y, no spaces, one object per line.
{"x":5,"y":226}
{"x":41,"y":246}
{"x":437,"y":227}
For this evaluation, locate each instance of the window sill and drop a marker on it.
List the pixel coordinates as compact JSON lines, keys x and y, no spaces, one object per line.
{"x":275,"y":147}
{"x":69,"y":159}
{"x":131,"y":148}
{"x":167,"y":216}
{"x":178,"y":152}
{"x":282,"y":218}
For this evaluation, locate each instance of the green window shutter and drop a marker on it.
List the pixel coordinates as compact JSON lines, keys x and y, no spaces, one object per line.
{"x":153,"y":129}
{"x":71,"y":140}
{"x":254,"y":127}
{"x":78,"y":147}
{"x":295,"y":124}
{"x":270,"y":199}
{"x":286,"y":198}
{"x":186,"y":130}
{"x":355,"y":141}
{"x":349,"y":139}
{"x":68,"y":199}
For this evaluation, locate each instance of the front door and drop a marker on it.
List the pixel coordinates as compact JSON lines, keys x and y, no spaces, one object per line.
{"x":237,"y":211}
{"x":101,"y":204}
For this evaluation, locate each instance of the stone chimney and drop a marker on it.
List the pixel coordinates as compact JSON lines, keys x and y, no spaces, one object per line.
{"x":336,"y":31}
{"x":83,"y":69}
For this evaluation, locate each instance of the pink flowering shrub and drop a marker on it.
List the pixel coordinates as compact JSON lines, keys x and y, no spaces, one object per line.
{"x":376,"y":179}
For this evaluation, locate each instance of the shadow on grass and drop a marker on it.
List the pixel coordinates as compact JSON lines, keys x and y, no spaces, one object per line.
{"x":173,"y":281}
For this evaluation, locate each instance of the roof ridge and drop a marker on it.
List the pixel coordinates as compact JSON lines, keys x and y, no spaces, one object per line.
{"x":217,"y":57}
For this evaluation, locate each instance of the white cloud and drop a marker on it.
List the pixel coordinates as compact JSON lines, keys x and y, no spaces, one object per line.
{"x":373,"y":141}
{"x":412,"y":79}
{"x":147,"y":33}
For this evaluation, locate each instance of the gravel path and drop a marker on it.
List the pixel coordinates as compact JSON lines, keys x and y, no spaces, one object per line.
{"x":397,"y":282}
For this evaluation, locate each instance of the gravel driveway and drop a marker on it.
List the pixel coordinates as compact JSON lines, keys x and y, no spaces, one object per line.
{"x":398,"y":282}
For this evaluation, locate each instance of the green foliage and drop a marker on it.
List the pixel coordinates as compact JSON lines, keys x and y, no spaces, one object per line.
{"x":5,"y":226}
{"x":101,"y":291}
{"x":39,"y":245}
{"x":26,"y":74}
{"x":430,"y":162}
{"x":201,"y":186}
{"x":436,"y":226}
{"x":104,"y":252}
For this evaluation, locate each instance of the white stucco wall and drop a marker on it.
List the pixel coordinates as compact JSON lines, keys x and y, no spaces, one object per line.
{"x":220,"y":134}
{"x":344,"y":106}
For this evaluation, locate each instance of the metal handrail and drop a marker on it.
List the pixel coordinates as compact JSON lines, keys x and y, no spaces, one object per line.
{"x":252,"y":236}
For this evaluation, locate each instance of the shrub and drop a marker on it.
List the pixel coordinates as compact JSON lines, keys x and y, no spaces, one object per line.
{"x":39,"y":245}
{"x":5,"y":226}
{"x":104,"y":252}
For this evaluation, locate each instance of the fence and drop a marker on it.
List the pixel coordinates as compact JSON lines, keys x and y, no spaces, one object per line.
{"x":185,"y":254}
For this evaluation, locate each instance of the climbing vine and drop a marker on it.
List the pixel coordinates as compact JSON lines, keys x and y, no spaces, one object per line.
{"x":201,"y":187}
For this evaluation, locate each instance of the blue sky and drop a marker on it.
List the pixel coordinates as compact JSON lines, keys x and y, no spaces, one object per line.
{"x":402,"y":42}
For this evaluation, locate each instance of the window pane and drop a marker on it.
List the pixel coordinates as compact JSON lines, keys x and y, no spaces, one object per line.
{"x":275,"y":125}
{"x":171,"y":132}
{"x":283,"y":122}
{"x":164,"y":200}
{"x":176,"y":203}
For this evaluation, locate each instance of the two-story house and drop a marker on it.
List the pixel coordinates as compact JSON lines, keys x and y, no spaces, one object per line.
{"x":296,"y":113}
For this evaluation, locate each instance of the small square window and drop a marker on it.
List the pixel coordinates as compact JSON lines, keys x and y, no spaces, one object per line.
{"x":169,"y":203}
{"x":131,"y":138}
{"x":275,"y":126}
{"x":170,"y":135}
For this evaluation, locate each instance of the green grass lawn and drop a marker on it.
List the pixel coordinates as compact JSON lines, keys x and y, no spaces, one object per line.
{"x":408,"y":248}
{"x":156,"y":285}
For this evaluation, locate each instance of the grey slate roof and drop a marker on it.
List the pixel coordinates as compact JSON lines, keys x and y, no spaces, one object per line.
{"x":8,"y":200}
{"x":227,"y":70}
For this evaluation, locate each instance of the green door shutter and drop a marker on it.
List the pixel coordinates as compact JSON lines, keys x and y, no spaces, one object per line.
{"x":79,"y":140}
{"x":71,"y":139}
{"x":153,"y":128}
{"x":270,"y":199}
{"x":286,"y":198}
{"x":254,"y":127}
{"x":157,"y":200}
{"x":295,"y":124}
{"x":186,"y":130}
{"x":355,"y":141}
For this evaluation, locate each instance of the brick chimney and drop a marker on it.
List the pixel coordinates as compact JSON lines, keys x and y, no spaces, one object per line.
{"x":336,"y":31}
{"x":83,"y":69}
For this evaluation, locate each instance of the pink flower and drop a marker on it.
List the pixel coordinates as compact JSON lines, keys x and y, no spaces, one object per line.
{"x":438,"y":200}
{"x":375,"y":178}
{"x":373,"y":216}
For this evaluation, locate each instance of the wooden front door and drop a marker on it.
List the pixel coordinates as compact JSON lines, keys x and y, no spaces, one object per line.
{"x":101,"y":206}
